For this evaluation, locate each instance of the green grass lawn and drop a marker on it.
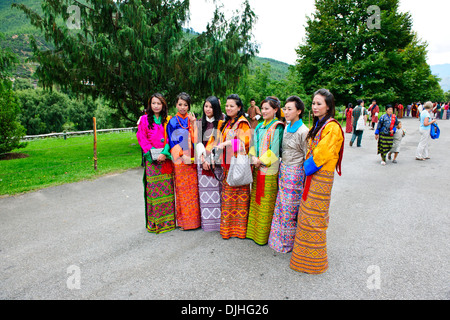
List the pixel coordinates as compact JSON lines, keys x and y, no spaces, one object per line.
{"x":56,"y":161}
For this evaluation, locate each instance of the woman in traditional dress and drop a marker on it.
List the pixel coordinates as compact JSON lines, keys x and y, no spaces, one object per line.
{"x":265,"y":154}
{"x":414,"y":110}
{"x":182,"y":133}
{"x":234,"y":137}
{"x":325,"y":151}
{"x":291,"y":177}
{"x":209,"y":184}
{"x":158,"y":174}
{"x":348,"y":115}
{"x":384,"y":133}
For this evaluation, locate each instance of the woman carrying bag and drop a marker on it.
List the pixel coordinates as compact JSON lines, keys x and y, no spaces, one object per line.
{"x":233,"y":141}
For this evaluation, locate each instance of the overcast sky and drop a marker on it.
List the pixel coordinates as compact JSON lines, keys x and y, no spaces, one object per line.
{"x":280,"y":26}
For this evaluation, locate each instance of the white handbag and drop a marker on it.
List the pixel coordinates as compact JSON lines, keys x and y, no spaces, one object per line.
{"x":240,"y":173}
{"x":361,"y":124}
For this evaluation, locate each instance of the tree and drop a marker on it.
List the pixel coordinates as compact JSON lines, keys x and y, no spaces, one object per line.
{"x":346,"y":52}
{"x":11,"y":131}
{"x":124,"y":51}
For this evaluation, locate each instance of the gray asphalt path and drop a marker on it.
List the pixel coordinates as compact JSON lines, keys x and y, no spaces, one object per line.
{"x":388,"y":239}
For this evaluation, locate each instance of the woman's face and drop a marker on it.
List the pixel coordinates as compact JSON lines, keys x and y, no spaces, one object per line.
{"x":319,"y":106}
{"x":231,"y":108}
{"x":156,"y":106}
{"x":291,"y":113}
{"x":268,"y":113}
{"x":208,"y":109}
{"x":182,"y":107}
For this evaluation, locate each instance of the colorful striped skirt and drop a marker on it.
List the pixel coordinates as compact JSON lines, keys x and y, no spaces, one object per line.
{"x":235,"y":205}
{"x":186,"y":197}
{"x":284,"y":222}
{"x":384,"y":144}
{"x":309,"y":254}
{"x":260,"y":214}
{"x":159,"y":199}
{"x":209,"y":191}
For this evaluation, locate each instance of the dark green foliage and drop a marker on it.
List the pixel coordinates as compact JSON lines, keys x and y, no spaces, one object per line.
{"x":11,"y":131}
{"x":345,"y":55}
{"x":125,"y":52}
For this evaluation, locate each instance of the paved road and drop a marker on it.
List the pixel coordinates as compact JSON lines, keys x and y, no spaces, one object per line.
{"x":388,"y":239}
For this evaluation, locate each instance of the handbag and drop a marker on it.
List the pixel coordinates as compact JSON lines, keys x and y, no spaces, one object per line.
{"x":156,"y":153}
{"x":435,"y":132}
{"x":240,"y":172}
{"x":361,"y":124}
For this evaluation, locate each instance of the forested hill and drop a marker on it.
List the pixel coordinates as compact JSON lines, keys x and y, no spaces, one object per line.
{"x":17,"y":30}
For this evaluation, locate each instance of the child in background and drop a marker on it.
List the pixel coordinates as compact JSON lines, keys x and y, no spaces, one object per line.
{"x":398,"y":136}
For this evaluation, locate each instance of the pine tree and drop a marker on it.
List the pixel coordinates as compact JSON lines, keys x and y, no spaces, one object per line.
{"x":356,"y":53}
{"x":124,"y":51}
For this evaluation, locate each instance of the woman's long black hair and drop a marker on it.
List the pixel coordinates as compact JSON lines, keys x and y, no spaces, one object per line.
{"x":150,"y":113}
{"x":217,"y":113}
{"x":239,"y":103}
{"x":329,"y":100}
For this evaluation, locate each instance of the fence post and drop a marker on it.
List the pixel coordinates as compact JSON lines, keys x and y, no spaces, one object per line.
{"x":95,"y":144}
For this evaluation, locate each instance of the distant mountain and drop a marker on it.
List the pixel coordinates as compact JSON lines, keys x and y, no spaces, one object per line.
{"x":443,"y":72}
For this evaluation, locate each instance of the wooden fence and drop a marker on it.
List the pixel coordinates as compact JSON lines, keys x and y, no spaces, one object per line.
{"x":77,"y":133}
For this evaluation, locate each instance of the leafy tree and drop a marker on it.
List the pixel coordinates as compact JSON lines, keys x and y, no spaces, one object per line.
{"x":354,"y":58}
{"x":125,"y":51}
{"x":11,"y":131}
{"x":42,"y":111}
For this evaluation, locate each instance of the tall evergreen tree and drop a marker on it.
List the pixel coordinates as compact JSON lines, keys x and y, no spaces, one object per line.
{"x":362,"y":49}
{"x":125,"y":51}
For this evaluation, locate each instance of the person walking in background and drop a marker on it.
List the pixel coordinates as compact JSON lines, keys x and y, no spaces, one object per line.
{"x":386,"y":128}
{"x":408,"y":110}
{"x":425,"y":127}
{"x":158,"y":175}
{"x":290,"y":179}
{"x":374,"y":110}
{"x":182,"y":133}
{"x":398,"y":136}
{"x":234,"y":137}
{"x":357,"y":112}
{"x":414,"y":110}
{"x":348,"y":116}
{"x":446,"y":115}
{"x":209,"y":187}
{"x":400,"y":110}
{"x":265,"y":154}
{"x":325,"y":152}
{"x":254,"y":114}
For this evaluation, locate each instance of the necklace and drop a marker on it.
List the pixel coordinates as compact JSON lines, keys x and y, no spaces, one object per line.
{"x":181,"y":124}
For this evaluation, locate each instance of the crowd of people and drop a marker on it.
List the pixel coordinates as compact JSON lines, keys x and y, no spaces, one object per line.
{"x":388,"y":128}
{"x":292,"y":167}
{"x":285,"y":203}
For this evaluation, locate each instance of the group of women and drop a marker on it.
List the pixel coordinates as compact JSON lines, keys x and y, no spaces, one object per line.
{"x":287,"y":204}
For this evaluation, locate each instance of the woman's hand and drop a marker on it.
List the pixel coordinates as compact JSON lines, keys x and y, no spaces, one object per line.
{"x":192,"y":117}
{"x":256,"y":162}
{"x":161,"y":158}
{"x":376,"y":137}
{"x":223,"y":145}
